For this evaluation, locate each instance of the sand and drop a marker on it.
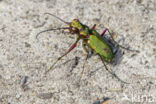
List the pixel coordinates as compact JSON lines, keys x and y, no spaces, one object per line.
{"x":25,"y":59}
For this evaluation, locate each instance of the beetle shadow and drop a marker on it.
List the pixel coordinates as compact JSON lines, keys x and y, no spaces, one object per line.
{"x":75,"y":61}
{"x":118,"y":53}
{"x":118,"y":57}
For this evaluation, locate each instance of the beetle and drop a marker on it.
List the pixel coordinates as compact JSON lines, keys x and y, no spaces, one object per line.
{"x":91,"y":40}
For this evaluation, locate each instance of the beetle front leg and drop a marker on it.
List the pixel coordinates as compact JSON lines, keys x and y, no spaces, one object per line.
{"x":70,"y":49}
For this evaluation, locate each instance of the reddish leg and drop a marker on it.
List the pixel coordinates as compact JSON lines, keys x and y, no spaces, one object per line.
{"x":103,"y":33}
{"x":70,"y":49}
{"x":93,"y":27}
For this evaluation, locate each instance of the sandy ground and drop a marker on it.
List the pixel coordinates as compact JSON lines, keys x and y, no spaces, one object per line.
{"x":24,"y":59}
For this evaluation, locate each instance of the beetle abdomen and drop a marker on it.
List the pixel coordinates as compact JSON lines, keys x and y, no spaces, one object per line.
{"x":101,"y":47}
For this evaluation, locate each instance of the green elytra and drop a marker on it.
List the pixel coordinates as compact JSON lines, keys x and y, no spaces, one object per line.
{"x":91,"y":39}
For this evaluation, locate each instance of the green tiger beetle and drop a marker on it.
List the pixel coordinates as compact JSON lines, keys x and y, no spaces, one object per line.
{"x":91,"y":40}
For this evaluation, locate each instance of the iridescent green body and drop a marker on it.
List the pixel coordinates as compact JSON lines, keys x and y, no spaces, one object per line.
{"x":95,"y":41}
{"x":100,"y":46}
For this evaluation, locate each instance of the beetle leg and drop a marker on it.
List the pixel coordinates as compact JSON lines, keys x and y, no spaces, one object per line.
{"x":83,"y":67}
{"x":87,"y":51}
{"x":84,"y":43}
{"x":104,"y":31}
{"x":84,"y":46}
{"x":117,"y":42}
{"x":111,"y":71}
{"x":93,"y":27}
{"x":70,"y":49}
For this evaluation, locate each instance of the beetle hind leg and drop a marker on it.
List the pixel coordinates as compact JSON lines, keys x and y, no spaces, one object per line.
{"x":117,"y":42}
{"x":113,"y":74}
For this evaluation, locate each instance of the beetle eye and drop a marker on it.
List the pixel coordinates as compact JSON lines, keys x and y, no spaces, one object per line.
{"x":76,"y":20}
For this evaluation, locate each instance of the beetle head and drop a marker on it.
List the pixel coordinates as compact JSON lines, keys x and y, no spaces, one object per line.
{"x":75,"y":26}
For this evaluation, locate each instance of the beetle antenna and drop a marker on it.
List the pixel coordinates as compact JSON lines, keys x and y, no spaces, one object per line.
{"x":58,"y":18}
{"x":51,"y":30}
